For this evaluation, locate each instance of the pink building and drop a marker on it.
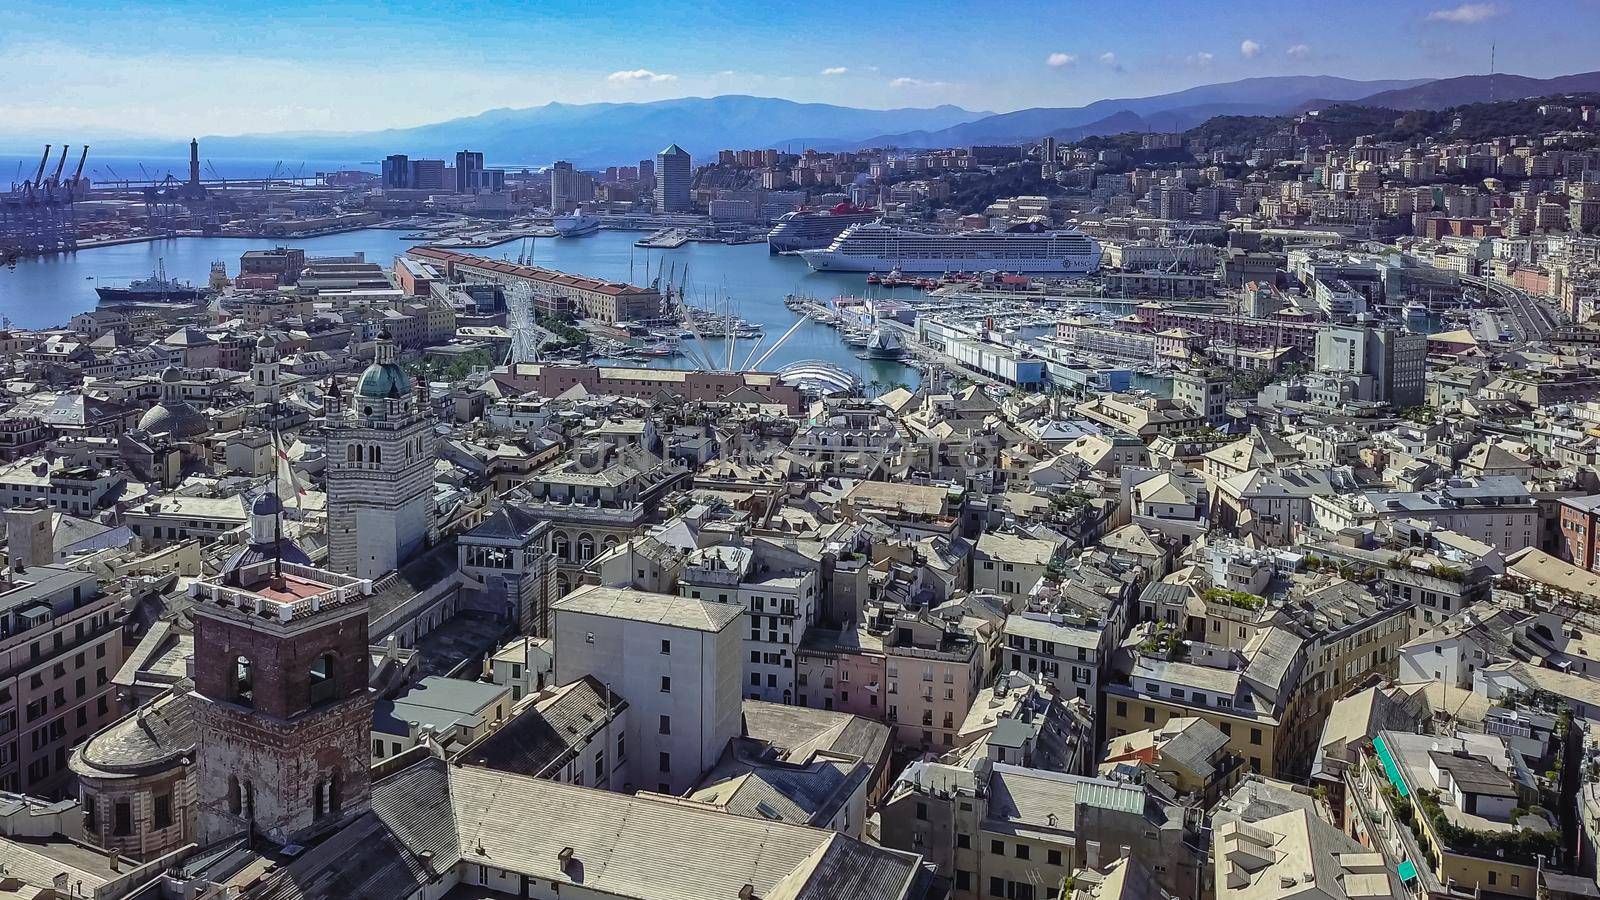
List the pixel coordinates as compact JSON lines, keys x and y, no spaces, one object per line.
{"x":908,"y":667}
{"x":647,"y":384}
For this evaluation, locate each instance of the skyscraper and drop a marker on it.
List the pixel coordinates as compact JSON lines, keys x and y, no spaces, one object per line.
{"x":568,"y":188}
{"x":674,"y":174}
{"x":380,"y":471}
{"x":469,"y":172}
{"x":427,"y":175}
{"x":397,"y":171}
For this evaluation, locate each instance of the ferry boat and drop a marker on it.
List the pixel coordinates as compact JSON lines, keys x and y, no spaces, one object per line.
{"x":815,"y":228}
{"x":575,"y":224}
{"x":1030,"y":247}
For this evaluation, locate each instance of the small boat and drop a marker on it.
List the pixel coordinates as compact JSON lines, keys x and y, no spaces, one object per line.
{"x":873,"y":278}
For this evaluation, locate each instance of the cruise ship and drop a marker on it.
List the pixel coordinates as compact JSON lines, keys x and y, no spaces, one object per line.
{"x":575,"y":224}
{"x":813,"y":229}
{"x":1031,"y":248}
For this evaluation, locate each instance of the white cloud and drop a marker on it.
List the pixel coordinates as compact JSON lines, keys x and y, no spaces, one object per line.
{"x":639,"y":76}
{"x":1466,"y":13}
{"x":916,"y":83}
{"x":1199,"y":60}
{"x":835,"y":70}
{"x":1108,"y":58}
{"x":726,"y":73}
{"x":1298,"y":51}
{"x":1250,"y":49}
{"x":1057,"y":60}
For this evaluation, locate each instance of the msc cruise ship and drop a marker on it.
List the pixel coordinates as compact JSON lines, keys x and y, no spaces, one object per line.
{"x":815,"y":228}
{"x":1030,"y":248}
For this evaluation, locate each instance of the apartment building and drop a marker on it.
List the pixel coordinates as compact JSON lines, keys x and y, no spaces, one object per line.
{"x":1066,"y":651}
{"x":60,"y":644}
{"x":915,"y":669}
{"x":1250,"y":694}
{"x":1010,"y":565}
{"x":778,"y":590}
{"x":676,"y":660}
{"x":997,"y":830}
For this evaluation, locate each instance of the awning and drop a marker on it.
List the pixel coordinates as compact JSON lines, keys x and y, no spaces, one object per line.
{"x":1389,"y":767}
{"x":1408,"y":871}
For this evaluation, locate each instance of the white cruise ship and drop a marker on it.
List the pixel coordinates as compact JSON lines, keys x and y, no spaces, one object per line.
{"x":1030,"y":248}
{"x":811,"y":229}
{"x":575,"y":224}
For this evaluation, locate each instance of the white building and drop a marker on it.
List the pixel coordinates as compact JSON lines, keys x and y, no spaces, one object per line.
{"x":675,"y":660}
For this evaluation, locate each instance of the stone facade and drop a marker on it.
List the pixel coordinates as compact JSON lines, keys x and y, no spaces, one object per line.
{"x":381,"y":455}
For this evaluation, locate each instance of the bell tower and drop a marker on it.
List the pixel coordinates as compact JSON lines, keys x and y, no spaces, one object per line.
{"x":281,"y":701}
{"x":380,"y":470}
{"x":265,"y":371}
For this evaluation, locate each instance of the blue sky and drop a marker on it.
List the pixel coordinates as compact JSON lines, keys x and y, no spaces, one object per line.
{"x":176,"y":68}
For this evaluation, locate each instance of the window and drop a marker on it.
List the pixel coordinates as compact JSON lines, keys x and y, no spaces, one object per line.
{"x":1150,"y":714}
{"x":243,"y":682}
{"x":377,"y":748}
{"x":997,"y":886}
{"x":666,"y":684}
{"x":1122,"y":707}
{"x":666,"y":647}
{"x":1255,"y":736}
{"x":963,"y":880}
{"x":163,"y":811}
{"x":122,"y":818}
{"x":1053,"y":857}
{"x":666,"y":762}
{"x":1022,"y":851}
{"x":964,"y":841}
{"x":922,"y":811}
{"x":621,"y":747}
{"x":998,"y":848}
{"x":664,"y":726}
{"x":322,"y":686}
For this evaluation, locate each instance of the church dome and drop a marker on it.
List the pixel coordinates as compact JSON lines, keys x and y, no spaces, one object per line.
{"x":381,"y":382}
{"x":177,"y":418}
{"x":384,"y":379}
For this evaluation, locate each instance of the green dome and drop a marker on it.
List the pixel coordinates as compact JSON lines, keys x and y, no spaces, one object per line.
{"x":383,"y":381}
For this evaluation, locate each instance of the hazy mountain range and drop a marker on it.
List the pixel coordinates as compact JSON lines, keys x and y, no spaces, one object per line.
{"x":599,"y":134}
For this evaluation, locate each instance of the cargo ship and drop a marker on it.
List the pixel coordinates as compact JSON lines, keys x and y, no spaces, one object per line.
{"x":1030,"y":247}
{"x":814,"y":228}
{"x":158,"y":288}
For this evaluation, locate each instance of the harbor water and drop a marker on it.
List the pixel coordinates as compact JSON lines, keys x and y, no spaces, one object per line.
{"x":47,"y":291}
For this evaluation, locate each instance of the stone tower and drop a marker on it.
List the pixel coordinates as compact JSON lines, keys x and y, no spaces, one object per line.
{"x":380,"y":471}
{"x":264,"y":372}
{"x":282,"y":706}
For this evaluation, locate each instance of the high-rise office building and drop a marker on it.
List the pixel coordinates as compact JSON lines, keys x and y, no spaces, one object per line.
{"x":428,"y":175}
{"x":647,"y":174}
{"x":568,"y":188}
{"x":674,"y":175}
{"x":397,"y":171}
{"x":469,"y":172}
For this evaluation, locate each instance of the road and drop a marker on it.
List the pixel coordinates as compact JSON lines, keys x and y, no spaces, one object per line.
{"x":1532,"y":318}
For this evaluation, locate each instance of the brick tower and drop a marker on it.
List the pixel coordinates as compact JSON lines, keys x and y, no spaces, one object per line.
{"x":281,"y":701}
